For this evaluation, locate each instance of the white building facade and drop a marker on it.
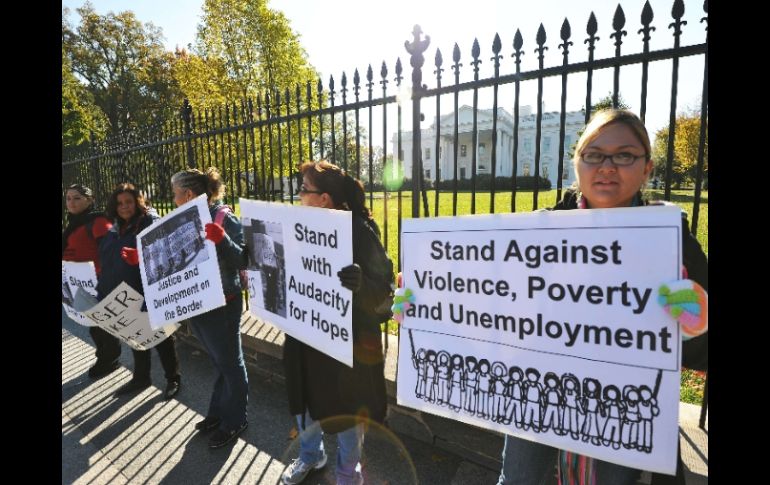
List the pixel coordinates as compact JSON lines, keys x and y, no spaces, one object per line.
{"x":549,"y":145}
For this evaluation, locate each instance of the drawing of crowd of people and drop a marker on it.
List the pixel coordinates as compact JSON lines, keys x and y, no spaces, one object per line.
{"x":603,"y":415}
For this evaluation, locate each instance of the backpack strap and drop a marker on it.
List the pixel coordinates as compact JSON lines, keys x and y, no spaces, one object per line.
{"x":219,"y":218}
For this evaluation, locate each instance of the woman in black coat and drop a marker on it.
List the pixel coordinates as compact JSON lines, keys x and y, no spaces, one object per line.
{"x":325,"y":394}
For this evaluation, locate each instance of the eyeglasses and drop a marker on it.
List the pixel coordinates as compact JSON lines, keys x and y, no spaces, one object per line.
{"x":622,"y":159}
{"x":305,"y":190}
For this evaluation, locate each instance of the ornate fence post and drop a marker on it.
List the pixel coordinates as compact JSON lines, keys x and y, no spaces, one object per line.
{"x":94,"y":166}
{"x":186,"y":117}
{"x":415,"y":49}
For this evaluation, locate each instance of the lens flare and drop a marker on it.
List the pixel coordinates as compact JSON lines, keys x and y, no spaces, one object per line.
{"x":378,"y":466}
{"x":404,"y":95}
{"x":393,"y":175}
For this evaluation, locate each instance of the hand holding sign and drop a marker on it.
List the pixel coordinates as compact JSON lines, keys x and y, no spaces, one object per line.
{"x":214,"y":232}
{"x":350,"y":277}
{"x":130,"y":256}
{"x":687,"y":302}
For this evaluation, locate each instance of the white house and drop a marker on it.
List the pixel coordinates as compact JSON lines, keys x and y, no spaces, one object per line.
{"x":274,"y":183}
{"x":549,"y":144}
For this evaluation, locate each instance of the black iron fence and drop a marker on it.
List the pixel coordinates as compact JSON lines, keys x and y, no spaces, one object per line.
{"x":258,"y":143}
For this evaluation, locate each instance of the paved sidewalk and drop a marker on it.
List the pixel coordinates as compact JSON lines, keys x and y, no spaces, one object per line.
{"x":473,"y":444}
{"x":144,"y":439}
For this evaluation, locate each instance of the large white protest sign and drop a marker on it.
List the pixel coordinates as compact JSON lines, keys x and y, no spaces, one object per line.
{"x":77,"y":277}
{"x":294,"y":255}
{"x":546,"y":326}
{"x":119,"y":313}
{"x":179,"y":267}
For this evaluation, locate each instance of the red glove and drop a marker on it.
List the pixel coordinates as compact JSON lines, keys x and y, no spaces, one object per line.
{"x":130,"y":256}
{"x":214,"y":232}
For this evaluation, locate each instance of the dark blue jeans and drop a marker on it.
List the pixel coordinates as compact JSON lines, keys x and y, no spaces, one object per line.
{"x":529,"y":463}
{"x":220,"y":333}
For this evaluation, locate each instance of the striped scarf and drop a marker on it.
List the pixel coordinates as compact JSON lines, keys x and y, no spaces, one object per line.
{"x":575,"y":469}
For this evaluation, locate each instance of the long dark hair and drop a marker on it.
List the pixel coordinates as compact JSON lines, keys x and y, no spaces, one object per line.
{"x":112,"y":202}
{"x":346,"y":192}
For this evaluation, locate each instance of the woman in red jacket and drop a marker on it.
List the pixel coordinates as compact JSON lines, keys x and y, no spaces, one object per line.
{"x":80,"y":243}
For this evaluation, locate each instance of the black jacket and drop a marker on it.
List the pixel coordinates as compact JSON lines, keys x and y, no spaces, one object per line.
{"x":114,"y":269}
{"x":694,"y":351}
{"x":333,"y":393}
{"x":230,"y":251}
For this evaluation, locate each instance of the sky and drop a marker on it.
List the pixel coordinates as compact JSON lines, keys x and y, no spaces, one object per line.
{"x":342,"y":35}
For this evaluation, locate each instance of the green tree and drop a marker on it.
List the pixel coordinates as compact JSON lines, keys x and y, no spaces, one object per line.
{"x":79,"y":115}
{"x":247,"y":50}
{"x":259,"y":50}
{"x":686,"y":140}
{"x":203,"y":81}
{"x":124,"y":66}
{"x":345,"y":145}
{"x":606,"y":103}
{"x":379,"y":162}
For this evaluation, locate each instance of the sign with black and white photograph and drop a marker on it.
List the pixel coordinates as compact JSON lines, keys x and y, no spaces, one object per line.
{"x":179,"y":267}
{"x":546,"y":326}
{"x":295,"y":253}
{"x":77,"y":277}
{"x":120,"y":313}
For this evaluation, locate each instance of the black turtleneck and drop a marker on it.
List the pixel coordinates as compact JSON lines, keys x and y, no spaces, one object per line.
{"x":76,"y":220}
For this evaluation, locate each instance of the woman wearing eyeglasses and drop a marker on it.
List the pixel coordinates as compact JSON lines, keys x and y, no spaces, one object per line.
{"x":612,"y":165}
{"x":324,"y":394}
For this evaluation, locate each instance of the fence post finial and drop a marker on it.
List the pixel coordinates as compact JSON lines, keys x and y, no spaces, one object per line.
{"x":416,"y":49}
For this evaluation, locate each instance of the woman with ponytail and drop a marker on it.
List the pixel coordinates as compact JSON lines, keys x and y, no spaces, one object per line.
{"x":219,"y":330}
{"x":79,"y":243}
{"x":324,"y":394}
